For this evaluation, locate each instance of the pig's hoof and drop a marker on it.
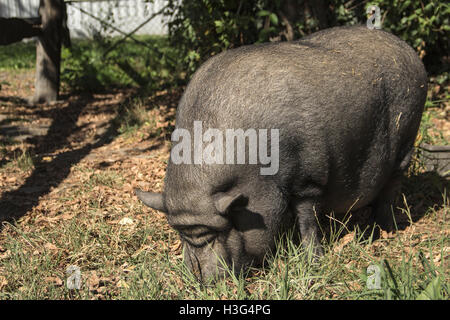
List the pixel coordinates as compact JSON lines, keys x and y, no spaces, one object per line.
{"x":315,"y":249}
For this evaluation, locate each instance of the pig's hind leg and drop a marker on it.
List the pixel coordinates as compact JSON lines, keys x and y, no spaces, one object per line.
{"x":383,"y":205}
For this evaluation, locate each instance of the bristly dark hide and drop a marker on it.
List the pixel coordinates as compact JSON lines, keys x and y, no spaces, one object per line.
{"x":348,"y":103}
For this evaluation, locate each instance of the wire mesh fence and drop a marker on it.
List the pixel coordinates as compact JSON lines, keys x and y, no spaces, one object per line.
{"x":98,"y":17}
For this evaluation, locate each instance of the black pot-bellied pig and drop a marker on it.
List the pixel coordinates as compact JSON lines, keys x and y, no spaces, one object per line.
{"x":339,"y":111}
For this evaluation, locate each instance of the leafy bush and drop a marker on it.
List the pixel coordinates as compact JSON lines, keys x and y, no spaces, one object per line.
{"x":21,"y":55}
{"x":425,"y":25}
{"x":201,"y":28}
{"x":91,"y":65}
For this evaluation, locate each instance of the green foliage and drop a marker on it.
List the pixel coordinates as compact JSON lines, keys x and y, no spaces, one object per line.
{"x":199,"y":29}
{"x":93,"y":65}
{"x":402,"y":283}
{"x":22,"y":159}
{"x":425,"y":25}
{"x":202,"y":28}
{"x":133,"y":116}
{"x":21,"y":55}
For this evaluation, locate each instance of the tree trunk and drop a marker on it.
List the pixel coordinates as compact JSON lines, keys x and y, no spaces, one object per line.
{"x":48,"y":50}
{"x":320,"y":10}
{"x":293,"y":11}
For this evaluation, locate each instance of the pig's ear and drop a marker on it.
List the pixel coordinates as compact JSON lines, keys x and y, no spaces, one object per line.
{"x":152,"y":199}
{"x":224,"y":201}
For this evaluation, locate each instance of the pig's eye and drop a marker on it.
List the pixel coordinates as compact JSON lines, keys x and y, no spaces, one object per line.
{"x":197,"y":236}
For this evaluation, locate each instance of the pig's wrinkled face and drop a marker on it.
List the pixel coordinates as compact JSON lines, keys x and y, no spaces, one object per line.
{"x":210,"y":255}
{"x":223,"y":231}
{"x":211,"y":243}
{"x":234,"y":229}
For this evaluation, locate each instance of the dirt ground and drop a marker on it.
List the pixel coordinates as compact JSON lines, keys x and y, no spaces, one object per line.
{"x":80,"y":131}
{"x":48,"y":151}
{"x":80,"y":136}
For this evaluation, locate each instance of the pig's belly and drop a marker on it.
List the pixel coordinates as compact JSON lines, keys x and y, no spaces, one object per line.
{"x":339,"y":204}
{"x":344,"y":198}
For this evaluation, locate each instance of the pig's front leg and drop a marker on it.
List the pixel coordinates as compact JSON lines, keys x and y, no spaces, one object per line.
{"x":308,"y":225}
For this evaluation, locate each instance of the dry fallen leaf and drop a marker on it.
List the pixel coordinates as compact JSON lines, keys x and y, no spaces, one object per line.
{"x":140,"y":250}
{"x":92,"y":281}
{"x":66,"y":216}
{"x":354,"y":285}
{"x":11,"y":179}
{"x":437,"y":260}
{"x":387,"y":235}
{"x":54,"y":280}
{"x":176,"y":246}
{"x":50,"y":246}
{"x":5,"y":255}
{"x":122,"y":284}
{"x":344,"y":241}
{"x":3,"y":282}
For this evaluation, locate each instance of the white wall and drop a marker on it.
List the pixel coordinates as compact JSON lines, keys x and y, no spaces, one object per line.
{"x":126,"y":15}
{"x":19,"y":8}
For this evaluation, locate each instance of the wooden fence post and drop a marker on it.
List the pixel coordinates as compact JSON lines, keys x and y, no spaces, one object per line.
{"x":48,"y":50}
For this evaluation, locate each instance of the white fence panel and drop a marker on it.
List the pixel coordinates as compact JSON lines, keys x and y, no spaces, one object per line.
{"x":19,"y":8}
{"x":125,"y":15}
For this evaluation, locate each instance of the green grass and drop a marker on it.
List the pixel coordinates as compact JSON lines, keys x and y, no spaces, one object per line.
{"x":25,"y":161}
{"x":89,"y":65}
{"x":21,"y":55}
{"x":83,"y":223}
{"x":133,"y":116}
{"x":22,"y":159}
{"x":138,"y":261}
{"x":427,"y":133}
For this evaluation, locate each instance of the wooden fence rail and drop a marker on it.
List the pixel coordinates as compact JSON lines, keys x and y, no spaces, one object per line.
{"x":50,"y":28}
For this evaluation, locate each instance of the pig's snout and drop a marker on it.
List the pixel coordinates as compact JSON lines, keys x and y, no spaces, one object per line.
{"x":205,"y":266}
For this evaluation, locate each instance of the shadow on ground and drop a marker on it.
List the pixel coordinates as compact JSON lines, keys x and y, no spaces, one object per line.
{"x":15,"y":100}
{"x":420,"y":193}
{"x":46,"y":175}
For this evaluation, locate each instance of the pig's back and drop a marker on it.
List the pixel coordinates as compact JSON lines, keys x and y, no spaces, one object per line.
{"x":347,"y":101}
{"x":325,"y":77}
